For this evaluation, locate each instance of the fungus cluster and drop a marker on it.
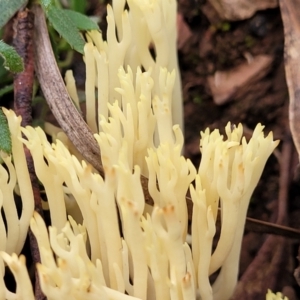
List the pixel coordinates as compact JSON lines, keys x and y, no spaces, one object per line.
{"x":104,"y":242}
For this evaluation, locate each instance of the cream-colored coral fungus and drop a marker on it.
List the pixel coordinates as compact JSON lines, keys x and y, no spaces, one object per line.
{"x":273,"y":296}
{"x":14,"y":177}
{"x":146,"y":256}
{"x":132,"y":37}
{"x":228,"y":173}
{"x":104,"y":242}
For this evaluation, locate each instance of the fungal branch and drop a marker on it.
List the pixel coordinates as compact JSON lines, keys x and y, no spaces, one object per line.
{"x":146,"y":39}
{"x":104,"y":242}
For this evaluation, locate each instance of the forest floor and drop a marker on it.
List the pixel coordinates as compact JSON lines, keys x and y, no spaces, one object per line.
{"x":234,"y":71}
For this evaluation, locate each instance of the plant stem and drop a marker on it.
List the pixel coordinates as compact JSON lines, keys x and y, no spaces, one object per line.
{"x":23,"y":87}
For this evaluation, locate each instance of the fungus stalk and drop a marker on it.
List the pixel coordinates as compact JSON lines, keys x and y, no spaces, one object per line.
{"x":14,"y":176}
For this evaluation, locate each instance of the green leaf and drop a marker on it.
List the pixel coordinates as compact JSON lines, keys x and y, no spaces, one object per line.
{"x":78,"y":5}
{"x":65,"y":27}
{"x":46,"y":4}
{"x":5,"y":76}
{"x":6,"y":89}
{"x":81,"y":21}
{"x":5,"y":139}
{"x":12,"y":60}
{"x":8,"y":8}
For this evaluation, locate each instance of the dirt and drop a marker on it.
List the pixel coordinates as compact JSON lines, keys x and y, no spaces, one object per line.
{"x":208,"y":45}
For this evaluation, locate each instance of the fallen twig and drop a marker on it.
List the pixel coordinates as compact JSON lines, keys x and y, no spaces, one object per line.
{"x":57,"y":96}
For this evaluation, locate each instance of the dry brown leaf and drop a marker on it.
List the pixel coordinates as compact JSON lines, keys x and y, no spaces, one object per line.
{"x":183,"y":32}
{"x":234,"y":10}
{"x":291,"y":23}
{"x":264,"y":272}
{"x":224,"y":85}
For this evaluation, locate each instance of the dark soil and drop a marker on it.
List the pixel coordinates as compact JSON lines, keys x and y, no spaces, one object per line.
{"x":214,"y":45}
